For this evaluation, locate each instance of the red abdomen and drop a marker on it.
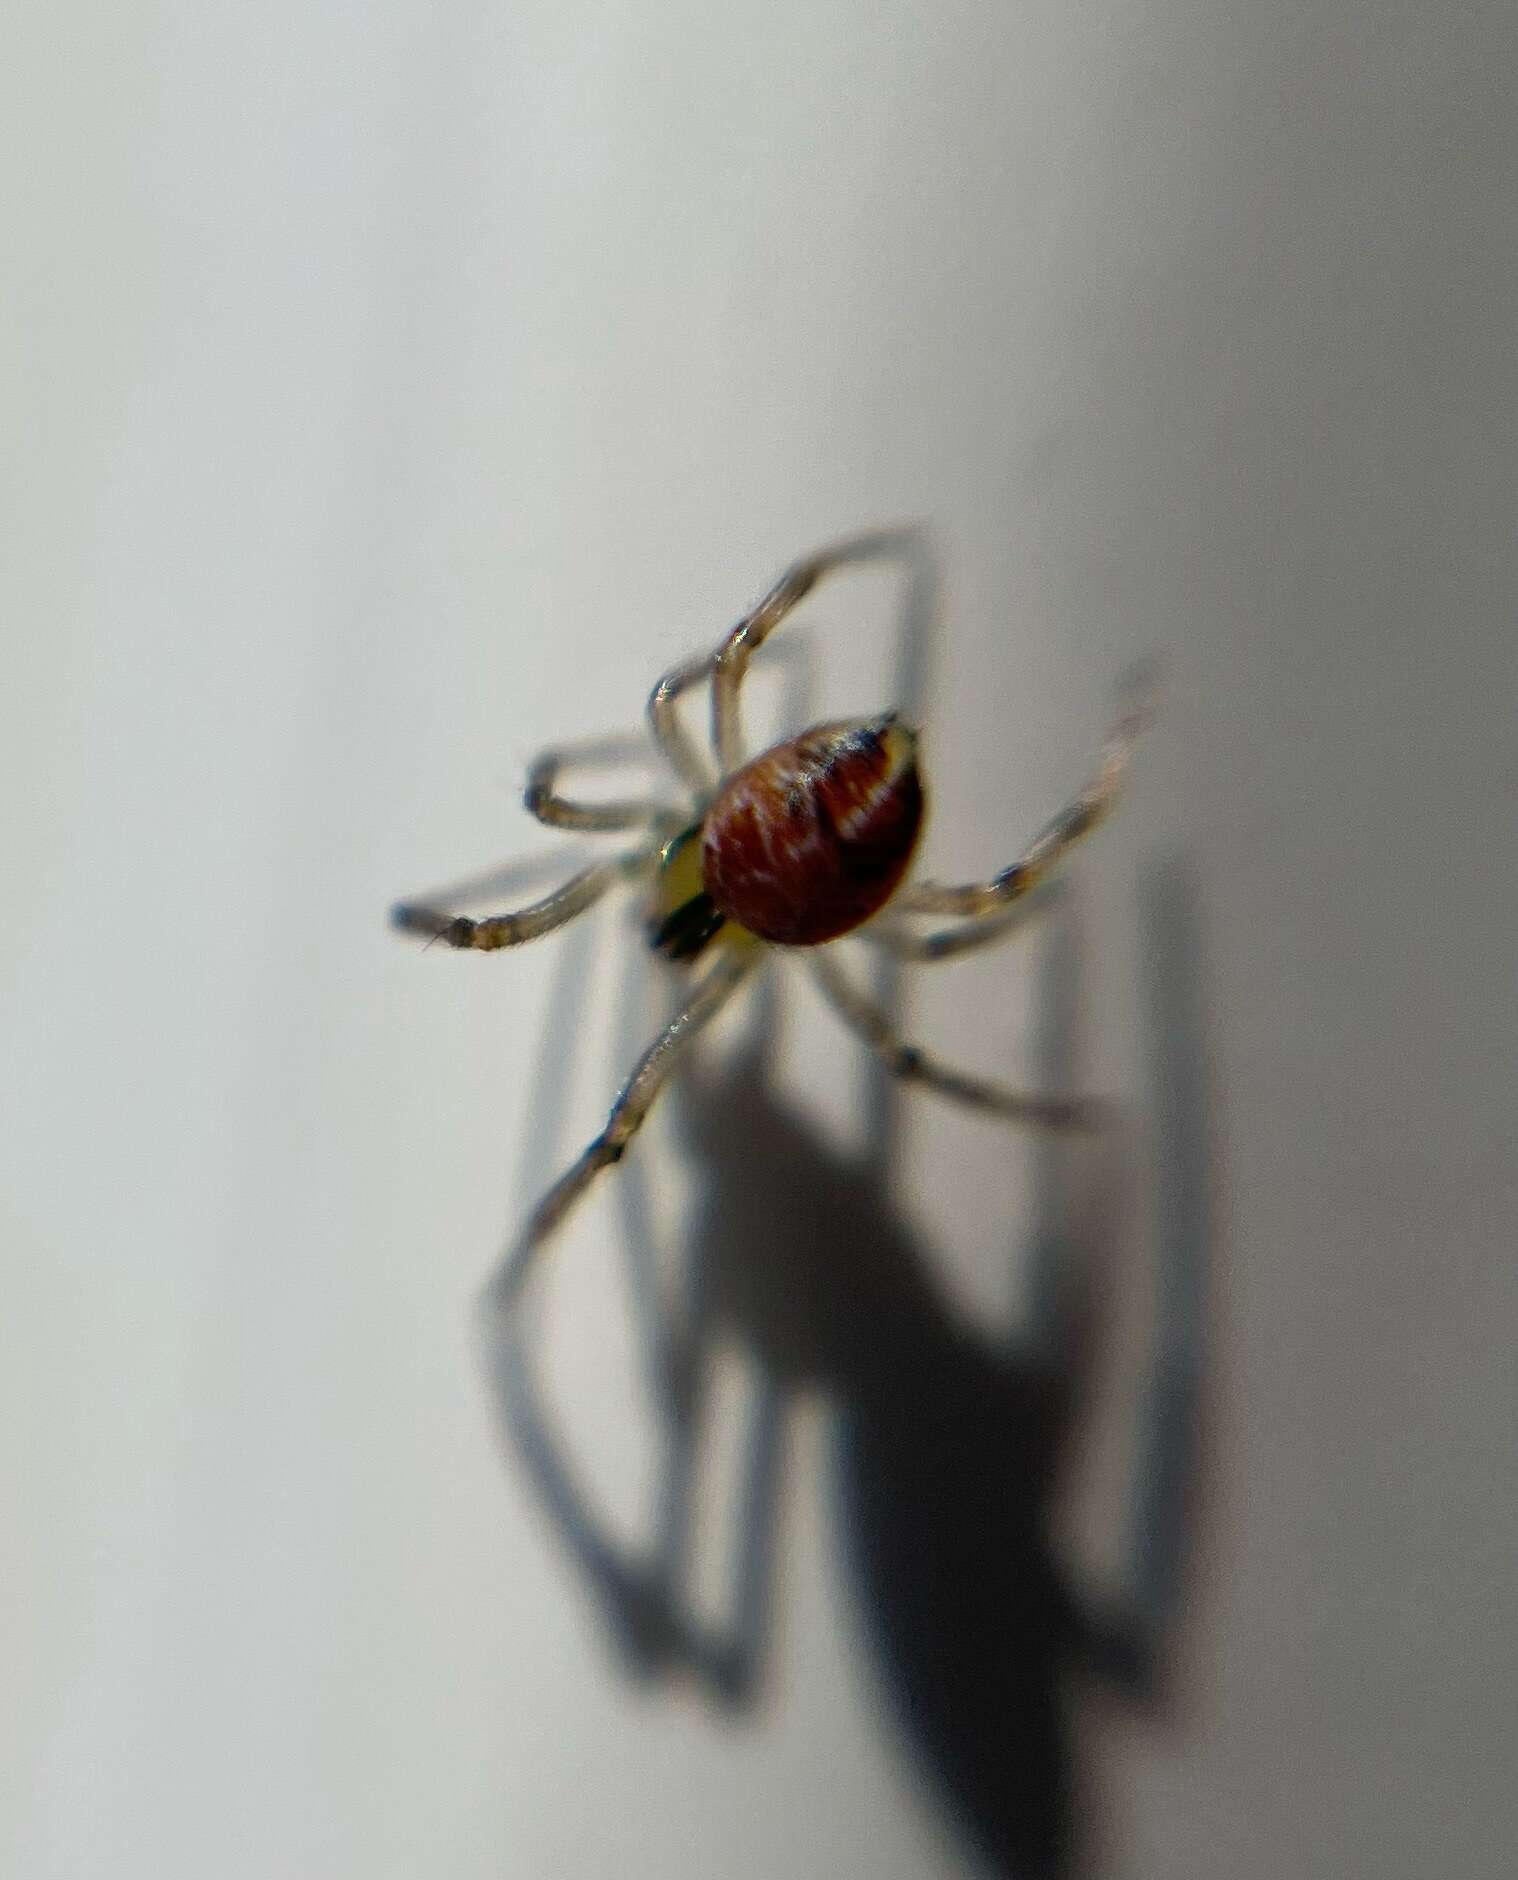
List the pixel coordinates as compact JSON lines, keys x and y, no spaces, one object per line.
{"x":814,"y":836}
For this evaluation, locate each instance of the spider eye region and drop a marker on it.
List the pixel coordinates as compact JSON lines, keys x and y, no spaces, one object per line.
{"x":814,"y":835}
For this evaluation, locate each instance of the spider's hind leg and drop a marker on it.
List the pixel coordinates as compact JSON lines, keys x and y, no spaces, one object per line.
{"x":730,"y":662}
{"x":679,"y":748}
{"x":903,"y":942}
{"x":909,"y":1062}
{"x":982,"y":899}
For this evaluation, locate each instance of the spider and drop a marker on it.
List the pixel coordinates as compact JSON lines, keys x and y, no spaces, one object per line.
{"x":807,"y":842}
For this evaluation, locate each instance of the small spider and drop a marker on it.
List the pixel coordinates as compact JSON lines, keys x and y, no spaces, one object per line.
{"x":794,"y":848}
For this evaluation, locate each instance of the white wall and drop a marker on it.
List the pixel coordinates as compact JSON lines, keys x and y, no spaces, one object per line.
{"x":391,"y":389}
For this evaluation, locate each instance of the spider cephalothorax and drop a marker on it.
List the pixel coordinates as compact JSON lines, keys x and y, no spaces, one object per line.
{"x":807,"y":842}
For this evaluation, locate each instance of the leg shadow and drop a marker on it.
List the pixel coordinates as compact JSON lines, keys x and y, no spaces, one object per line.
{"x":954,"y":1452}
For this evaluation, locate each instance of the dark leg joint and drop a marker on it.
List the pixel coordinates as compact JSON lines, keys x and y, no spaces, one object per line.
{"x":1082,"y":818}
{"x":457,"y":932}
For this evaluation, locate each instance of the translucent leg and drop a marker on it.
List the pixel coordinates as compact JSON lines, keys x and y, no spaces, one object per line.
{"x":526,"y":923}
{"x":559,"y":812}
{"x":861,"y":1014}
{"x":981,"y":898}
{"x":627,"y":1114}
{"x":947,"y":943}
{"x":732,"y":657}
{"x":685,"y":757}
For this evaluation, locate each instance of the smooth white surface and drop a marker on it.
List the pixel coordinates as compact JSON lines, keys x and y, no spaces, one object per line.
{"x":390,"y":389}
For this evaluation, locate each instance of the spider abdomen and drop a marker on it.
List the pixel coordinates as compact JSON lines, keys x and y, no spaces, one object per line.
{"x":813,"y":837}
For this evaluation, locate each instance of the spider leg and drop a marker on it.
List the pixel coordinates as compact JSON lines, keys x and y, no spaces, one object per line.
{"x":522,"y":873}
{"x":731,"y":659}
{"x":863,"y":1016}
{"x":541,"y":797}
{"x":525,"y":923}
{"x":946,"y":943}
{"x":633,"y":1104}
{"x":684,"y":755}
{"x":980,"y":898}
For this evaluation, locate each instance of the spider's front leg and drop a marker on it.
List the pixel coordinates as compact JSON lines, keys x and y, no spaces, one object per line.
{"x":983,"y":900}
{"x":524,"y":923}
{"x":627,"y":1116}
{"x":541,"y":797}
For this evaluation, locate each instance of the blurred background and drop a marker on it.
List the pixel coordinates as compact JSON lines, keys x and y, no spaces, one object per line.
{"x":392,"y":390}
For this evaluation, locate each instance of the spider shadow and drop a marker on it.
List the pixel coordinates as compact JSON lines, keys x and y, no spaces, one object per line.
{"x":952,"y":1446}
